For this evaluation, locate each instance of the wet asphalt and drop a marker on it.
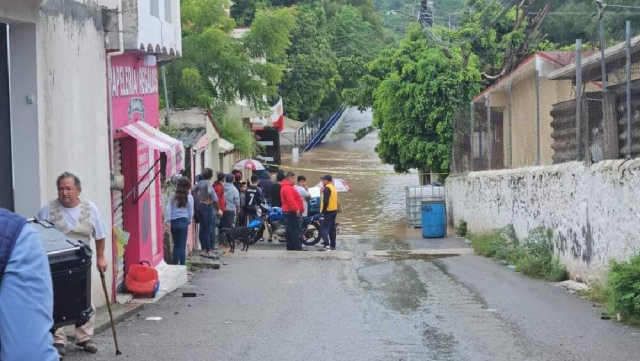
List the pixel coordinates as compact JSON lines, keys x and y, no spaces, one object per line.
{"x":449,"y":308}
{"x":399,"y":308}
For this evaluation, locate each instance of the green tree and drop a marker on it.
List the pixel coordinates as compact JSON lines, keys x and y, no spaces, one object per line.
{"x":416,"y":91}
{"x":217,"y":69}
{"x":312,"y":77}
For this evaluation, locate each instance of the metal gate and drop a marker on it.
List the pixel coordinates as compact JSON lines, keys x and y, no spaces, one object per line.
{"x":118,"y":219}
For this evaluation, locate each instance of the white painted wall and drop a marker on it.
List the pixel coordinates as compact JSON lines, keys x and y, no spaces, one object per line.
{"x":23,"y":11}
{"x":594,"y":211}
{"x":72,"y":108}
{"x":156,"y":30}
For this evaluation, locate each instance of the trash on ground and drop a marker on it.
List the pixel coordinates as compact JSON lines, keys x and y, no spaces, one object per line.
{"x":511,"y":267}
{"x":154,"y":318}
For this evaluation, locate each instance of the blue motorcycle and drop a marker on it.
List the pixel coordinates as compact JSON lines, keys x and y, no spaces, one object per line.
{"x":272,"y":220}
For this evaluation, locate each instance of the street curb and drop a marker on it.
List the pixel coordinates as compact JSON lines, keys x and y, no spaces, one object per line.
{"x":105,"y":324}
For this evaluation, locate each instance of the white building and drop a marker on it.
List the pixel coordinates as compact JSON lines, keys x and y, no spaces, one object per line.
{"x":53,"y":94}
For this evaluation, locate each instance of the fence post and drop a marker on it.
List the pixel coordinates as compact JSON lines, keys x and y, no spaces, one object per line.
{"x":473,"y":133}
{"x":578,"y":99}
{"x":480,"y":144}
{"x":510,"y":125}
{"x":628,"y":50}
{"x":489,"y":139}
{"x":537,"y":78}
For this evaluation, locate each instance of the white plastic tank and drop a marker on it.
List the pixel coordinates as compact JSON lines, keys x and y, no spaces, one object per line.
{"x":415,"y":196}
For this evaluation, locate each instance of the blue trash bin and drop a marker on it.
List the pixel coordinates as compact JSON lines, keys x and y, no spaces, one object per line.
{"x":434,"y":220}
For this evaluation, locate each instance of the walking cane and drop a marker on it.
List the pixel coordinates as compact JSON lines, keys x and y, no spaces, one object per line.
{"x":113,"y":327}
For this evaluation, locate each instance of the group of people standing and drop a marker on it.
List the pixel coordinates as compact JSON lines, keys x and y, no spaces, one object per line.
{"x":229,"y":201}
{"x":206,"y":202}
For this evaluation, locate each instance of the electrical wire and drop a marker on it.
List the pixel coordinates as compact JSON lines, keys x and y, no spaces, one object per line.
{"x":476,"y":36}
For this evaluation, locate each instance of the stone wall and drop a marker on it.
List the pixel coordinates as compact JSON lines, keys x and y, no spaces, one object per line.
{"x":594,"y":211}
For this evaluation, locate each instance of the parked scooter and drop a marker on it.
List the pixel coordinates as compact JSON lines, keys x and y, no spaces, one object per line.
{"x":272,"y":220}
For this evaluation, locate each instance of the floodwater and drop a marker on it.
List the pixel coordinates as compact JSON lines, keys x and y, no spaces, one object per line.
{"x":376,"y":204}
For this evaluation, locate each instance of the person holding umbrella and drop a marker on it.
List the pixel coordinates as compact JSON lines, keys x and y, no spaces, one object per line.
{"x":329,"y":211}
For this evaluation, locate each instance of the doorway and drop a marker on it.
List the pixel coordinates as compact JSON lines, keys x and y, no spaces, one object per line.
{"x":6,"y":163}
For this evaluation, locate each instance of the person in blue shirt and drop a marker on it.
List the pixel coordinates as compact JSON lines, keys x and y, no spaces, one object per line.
{"x":177,"y":218}
{"x":26,"y":293}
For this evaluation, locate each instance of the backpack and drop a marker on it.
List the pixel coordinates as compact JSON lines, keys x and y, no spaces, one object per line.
{"x":195,"y":193}
{"x":11,"y":225}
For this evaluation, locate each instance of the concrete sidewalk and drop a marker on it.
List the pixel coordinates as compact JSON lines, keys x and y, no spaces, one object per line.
{"x":120,"y":312}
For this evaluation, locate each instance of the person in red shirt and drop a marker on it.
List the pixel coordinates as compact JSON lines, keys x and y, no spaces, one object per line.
{"x":292,"y":208}
{"x":218,"y":187}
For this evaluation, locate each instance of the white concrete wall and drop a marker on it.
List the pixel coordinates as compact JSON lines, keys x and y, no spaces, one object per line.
{"x":23,"y":11}
{"x":72,"y":107}
{"x":157,"y":31}
{"x":594,"y":211}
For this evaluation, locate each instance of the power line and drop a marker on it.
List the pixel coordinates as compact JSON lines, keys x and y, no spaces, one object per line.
{"x":476,"y":36}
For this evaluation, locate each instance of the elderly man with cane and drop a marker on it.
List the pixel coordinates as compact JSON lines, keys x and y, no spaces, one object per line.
{"x":78,"y":219}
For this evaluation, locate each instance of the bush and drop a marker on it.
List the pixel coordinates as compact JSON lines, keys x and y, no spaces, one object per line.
{"x":461,"y":231}
{"x":533,"y":257}
{"x":487,"y":244}
{"x":623,"y":289}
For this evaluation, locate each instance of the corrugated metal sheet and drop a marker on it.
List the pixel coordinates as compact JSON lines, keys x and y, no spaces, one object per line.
{"x":189,"y":137}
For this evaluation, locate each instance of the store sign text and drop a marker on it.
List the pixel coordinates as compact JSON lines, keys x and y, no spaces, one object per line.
{"x":130,"y":81}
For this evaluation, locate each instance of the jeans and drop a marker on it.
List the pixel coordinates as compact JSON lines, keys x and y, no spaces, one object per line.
{"x":293,"y":234}
{"x":179,"y":231}
{"x":205,"y":215}
{"x":328,"y":228}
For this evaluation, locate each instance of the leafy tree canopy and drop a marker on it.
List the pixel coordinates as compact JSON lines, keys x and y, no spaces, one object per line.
{"x":415,"y":91}
{"x":216,"y":68}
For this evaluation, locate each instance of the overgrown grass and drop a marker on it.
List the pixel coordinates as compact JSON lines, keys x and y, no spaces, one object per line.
{"x":237,"y":133}
{"x":533,"y":256}
{"x":461,"y":231}
{"x":622,"y":291}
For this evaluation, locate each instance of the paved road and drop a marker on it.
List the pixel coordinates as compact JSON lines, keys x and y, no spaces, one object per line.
{"x":453,"y":308}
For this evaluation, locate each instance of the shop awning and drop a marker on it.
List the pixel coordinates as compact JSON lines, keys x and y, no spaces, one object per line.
{"x":159,"y":141}
{"x":225,"y":146}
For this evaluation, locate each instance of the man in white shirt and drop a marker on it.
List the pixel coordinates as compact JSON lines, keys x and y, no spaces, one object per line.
{"x":301,"y":187}
{"x":78,"y":219}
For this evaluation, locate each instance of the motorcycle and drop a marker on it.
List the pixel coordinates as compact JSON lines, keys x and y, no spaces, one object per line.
{"x":271,"y":219}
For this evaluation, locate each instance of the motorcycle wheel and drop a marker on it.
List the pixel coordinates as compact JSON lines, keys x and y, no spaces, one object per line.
{"x":311,"y":234}
{"x":256,"y":237}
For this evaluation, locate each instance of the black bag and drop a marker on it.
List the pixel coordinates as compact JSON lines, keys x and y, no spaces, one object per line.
{"x":195,"y":193}
{"x":70,"y":263}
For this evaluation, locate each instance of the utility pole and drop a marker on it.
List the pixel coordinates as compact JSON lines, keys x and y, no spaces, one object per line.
{"x":603,"y":67}
{"x":426,"y":13}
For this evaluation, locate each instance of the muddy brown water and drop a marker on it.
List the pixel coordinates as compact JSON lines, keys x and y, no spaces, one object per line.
{"x":376,"y":204}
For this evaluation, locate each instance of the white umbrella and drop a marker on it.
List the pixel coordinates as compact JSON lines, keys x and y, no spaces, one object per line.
{"x":249,"y":164}
{"x":340,"y":184}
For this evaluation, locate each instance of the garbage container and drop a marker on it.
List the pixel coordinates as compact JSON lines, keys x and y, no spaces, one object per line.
{"x":434,"y":220}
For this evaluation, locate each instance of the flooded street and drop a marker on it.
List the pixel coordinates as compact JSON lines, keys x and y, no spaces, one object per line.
{"x":376,"y":204}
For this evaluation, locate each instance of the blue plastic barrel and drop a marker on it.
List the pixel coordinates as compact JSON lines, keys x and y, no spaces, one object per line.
{"x":434,"y":220}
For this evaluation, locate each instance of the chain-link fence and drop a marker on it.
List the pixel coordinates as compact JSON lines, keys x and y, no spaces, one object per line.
{"x":554,"y":108}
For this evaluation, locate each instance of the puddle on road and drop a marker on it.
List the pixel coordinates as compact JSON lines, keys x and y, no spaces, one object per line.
{"x":409,"y":256}
{"x":395,"y":284}
{"x":442,"y":346}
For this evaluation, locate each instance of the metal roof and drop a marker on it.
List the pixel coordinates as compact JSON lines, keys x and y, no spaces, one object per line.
{"x":189,"y":137}
{"x":591,"y":64}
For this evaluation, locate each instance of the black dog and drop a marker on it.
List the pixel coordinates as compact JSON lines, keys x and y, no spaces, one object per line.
{"x":239,"y":233}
